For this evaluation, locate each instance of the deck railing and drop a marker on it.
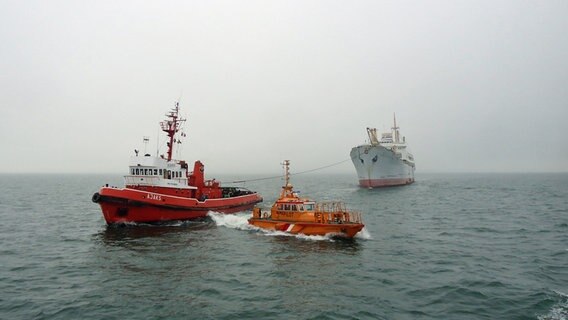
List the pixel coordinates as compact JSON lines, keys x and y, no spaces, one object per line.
{"x":336,"y":212}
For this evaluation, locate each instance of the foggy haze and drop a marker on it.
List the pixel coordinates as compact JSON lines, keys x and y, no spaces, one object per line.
{"x":477,"y":86}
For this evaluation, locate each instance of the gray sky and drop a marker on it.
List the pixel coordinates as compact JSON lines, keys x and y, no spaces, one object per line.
{"x":478,"y":86}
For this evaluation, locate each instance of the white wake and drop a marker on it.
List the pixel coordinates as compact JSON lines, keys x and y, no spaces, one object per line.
{"x":560,"y":310}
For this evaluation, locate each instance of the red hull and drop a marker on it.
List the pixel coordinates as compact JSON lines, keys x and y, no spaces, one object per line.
{"x":376,"y":183}
{"x":130,"y":205}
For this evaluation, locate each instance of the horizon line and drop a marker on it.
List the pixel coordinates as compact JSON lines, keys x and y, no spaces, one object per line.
{"x":272,"y":173}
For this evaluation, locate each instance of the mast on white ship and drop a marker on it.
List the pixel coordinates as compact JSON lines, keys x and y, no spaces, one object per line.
{"x":171,"y":126}
{"x":395,"y":130}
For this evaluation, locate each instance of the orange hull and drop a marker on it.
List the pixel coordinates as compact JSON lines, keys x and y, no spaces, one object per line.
{"x":345,"y":230}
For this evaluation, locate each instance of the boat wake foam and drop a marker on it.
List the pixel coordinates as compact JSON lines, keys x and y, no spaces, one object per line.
{"x":298,"y":236}
{"x":364,"y":234}
{"x":560,"y":310}
{"x":239,"y":221}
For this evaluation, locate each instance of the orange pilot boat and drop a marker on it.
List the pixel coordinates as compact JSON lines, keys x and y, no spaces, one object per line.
{"x":161,"y":189}
{"x":296,"y":215}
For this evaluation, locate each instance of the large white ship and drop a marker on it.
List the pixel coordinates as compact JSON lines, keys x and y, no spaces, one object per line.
{"x":385,"y":162}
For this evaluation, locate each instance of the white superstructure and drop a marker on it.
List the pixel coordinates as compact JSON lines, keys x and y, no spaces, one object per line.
{"x":157,"y":171}
{"x":384,"y":162}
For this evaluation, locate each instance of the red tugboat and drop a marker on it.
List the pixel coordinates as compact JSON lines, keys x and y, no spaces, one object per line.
{"x":161,"y":189}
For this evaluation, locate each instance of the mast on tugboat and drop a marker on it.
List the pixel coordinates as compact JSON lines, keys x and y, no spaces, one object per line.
{"x":287,"y":188}
{"x":171,"y":127}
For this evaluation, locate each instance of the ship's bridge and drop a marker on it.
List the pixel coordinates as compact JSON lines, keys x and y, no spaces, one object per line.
{"x":386,"y":137}
{"x":295,"y":206}
{"x":154,"y":171}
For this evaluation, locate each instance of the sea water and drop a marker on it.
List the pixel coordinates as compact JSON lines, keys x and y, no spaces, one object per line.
{"x":450,"y":246}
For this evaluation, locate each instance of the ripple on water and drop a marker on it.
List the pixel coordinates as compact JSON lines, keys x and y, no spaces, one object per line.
{"x":447,"y":247}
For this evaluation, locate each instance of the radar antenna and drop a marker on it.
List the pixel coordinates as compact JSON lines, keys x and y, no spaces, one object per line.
{"x":171,"y":126}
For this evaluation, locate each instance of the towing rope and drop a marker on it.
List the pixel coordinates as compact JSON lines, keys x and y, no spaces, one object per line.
{"x":292,"y":174}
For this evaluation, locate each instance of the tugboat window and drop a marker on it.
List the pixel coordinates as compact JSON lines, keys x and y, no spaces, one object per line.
{"x":137,"y":172}
{"x":155,"y":172}
{"x":161,"y":172}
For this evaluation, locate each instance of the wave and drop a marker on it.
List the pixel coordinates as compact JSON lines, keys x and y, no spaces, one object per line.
{"x":237,"y":221}
{"x":559,"y":311}
{"x":364,"y":234}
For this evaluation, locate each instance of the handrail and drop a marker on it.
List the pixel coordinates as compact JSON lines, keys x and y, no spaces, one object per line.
{"x":331,"y":206}
{"x":336,"y":212}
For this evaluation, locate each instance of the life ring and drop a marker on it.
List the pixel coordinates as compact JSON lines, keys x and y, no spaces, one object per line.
{"x":96,"y":197}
